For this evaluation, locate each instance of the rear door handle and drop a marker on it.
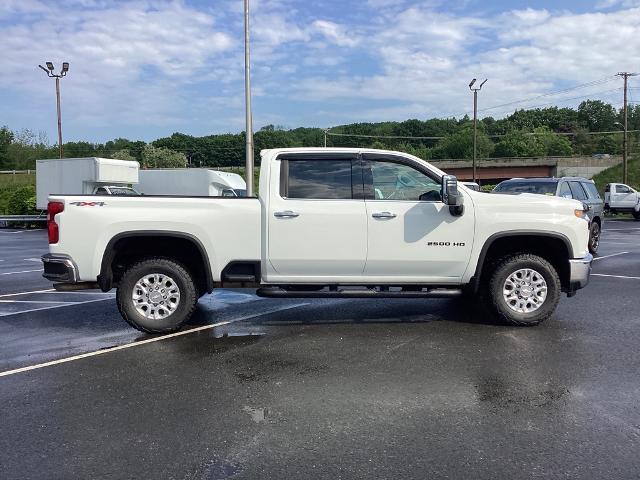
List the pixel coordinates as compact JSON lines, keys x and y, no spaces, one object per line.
{"x":286,"y":214}
{"x":383,"y":215}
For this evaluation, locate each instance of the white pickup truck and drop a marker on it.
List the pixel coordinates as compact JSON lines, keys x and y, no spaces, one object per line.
{"x":338,"y":223}
{"x":621,"y":198}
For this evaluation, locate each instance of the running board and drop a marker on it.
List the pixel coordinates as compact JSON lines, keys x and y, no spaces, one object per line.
{"x":278,"y":292}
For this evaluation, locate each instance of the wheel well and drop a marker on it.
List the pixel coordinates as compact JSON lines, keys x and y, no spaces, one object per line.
{"x":598,"y":221}
{"x":553,"y":249}
{"x":124,"y":251}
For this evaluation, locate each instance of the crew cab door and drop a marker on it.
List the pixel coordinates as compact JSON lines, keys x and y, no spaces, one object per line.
{"x":412,"y":234}
{"x":622,"y":196}
{"x":317,"y":223}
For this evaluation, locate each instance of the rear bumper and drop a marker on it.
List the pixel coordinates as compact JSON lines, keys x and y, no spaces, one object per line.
{"x":579,"y":271}
{"x":59,"y":268}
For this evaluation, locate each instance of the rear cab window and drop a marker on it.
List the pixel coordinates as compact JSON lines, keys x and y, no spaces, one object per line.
{"x":323,"y":177}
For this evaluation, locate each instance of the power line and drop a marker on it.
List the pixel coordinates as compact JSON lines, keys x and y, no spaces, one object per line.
{"x":600,"y":81}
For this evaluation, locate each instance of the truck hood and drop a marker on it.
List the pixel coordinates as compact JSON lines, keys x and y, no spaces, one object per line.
{"x":526,"y":202}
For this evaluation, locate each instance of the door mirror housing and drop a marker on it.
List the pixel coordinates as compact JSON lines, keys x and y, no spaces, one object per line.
{"x":451,"y":195}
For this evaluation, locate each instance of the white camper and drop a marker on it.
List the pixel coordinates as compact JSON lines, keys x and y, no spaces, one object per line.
{"x":69,"y":176}
{"x":191,"y":182}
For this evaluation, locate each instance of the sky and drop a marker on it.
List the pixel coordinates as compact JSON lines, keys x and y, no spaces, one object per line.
{"x":145,"y":69}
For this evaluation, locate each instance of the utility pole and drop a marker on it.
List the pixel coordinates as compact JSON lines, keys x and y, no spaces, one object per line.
{"x":475,"y":123}
{"x":247,"y":102}
{"x":325,"y":137}
{"x":625,"y":153}
{"x":50,"y":74}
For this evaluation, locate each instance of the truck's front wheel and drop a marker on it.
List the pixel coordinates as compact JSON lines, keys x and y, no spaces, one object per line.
{"x":524,"y":290}
{"x":156,"y":295}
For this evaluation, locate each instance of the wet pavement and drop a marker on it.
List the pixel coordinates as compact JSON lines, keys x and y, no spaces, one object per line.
{"x":321,"y":388}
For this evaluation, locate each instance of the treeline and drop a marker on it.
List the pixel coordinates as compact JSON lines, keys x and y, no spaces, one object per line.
{"x":549,"y":131}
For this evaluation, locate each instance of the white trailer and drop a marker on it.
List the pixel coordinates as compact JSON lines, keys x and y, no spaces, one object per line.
{"x":191,"y":182}
{"x":83,"y":176}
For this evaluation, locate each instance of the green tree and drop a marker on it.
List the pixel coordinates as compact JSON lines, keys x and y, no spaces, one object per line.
{"x":6,"y":137}
{"x":123,"y":154}
{"x":519,"y":144}
{"x":554,"y":145}
{"x":160,"y":157}
{"x":597,"y":116}
{"x":459,"y":145}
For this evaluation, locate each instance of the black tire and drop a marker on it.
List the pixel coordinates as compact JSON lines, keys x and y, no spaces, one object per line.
{"x":188,"y":295}
{"x":506,"y":266}
{"x":636,"y":215}
{"x":594,"y":237}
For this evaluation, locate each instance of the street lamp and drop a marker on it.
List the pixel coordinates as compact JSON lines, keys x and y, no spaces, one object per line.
{"x":475,"y":121}
{"x":247,"y":104}
{"x":58,"y":76}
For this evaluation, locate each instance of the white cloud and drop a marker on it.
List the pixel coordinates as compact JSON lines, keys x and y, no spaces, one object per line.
{"x":168,"y":64}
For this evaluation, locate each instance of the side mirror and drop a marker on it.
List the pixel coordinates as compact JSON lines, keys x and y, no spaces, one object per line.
{"x":451,"y":196}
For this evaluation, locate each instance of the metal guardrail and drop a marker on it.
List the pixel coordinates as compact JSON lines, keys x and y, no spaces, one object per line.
{"x":22,"y":218}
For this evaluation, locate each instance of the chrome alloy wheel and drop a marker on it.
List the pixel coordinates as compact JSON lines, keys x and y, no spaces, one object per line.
{"x":525,"y":290}
{"x":156,"y":296}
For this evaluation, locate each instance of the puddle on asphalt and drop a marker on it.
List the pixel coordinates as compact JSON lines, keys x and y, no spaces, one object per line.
{"x":258,"y":415}
{"x":498,"y":393}
{"x":219,"y":470}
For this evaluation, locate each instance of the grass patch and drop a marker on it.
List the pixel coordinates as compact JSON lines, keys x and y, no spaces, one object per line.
{"x":17,"y":179}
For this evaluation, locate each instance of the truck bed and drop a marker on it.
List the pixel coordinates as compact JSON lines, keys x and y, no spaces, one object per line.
{"x":227,"y":227}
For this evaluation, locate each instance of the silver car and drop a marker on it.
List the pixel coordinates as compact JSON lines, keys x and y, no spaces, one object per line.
{"x":577,"y":188}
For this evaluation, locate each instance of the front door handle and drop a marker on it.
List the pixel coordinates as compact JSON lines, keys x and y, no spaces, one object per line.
{"x":383,"y":215}
{"x":286,"y":214}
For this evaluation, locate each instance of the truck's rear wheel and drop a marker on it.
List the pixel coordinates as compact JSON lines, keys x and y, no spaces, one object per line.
{"x":524,"y":290}
{"x":156,"y":295}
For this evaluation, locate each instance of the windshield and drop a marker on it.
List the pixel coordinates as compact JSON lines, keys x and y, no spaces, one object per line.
{"x":543,"y":188}
{"x":122,"y":191}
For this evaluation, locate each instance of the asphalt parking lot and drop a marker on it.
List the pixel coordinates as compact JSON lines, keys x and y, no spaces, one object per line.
{"x":257,"y":388}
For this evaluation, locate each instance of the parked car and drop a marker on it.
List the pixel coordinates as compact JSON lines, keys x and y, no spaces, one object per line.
{"x":577,"y":188}
{"x":621,"y":198}
{"x":472,"y":185}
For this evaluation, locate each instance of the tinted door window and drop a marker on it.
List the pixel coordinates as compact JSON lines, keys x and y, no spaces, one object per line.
{"x":591,"y":190}
{"x":396,"y":181}
{"x":578,"y":191}
{"x":622,"y":189}
{"x":317,"y":179}
{"x":565,"y":191}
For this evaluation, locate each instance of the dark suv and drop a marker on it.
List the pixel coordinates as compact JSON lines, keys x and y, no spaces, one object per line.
{"x":577,"y":188}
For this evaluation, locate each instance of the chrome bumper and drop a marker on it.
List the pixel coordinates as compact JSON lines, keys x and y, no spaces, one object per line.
{"x":579,"y":271}
{"x":59,"y":268}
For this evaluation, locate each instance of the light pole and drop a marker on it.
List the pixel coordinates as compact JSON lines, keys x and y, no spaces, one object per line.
{"x":475,"y":122}
{"x":247,"y":102}
{"x":63,"y":72}
{"x":625,"y":168}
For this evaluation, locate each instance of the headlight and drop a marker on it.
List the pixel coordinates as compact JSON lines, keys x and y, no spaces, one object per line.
{"x":582,"y":212}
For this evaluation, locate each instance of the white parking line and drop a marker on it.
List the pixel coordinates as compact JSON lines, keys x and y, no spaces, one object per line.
{"x":619,"y":229}
{"x":144,"y":342}
{"x":23,"y":271}
{"x":54,"y":306}
{"x":27,"y":293}
{"x":614,"y":276}
{"x":609,"y":256}
{"x":35,"y":301}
